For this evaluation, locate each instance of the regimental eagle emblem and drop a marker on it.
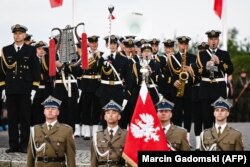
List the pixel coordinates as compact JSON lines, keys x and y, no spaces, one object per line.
{"x":144,"y":128}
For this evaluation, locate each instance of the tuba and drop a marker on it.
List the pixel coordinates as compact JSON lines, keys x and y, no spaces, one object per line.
{"x":183,"y":76}
{"x":66,"y":44}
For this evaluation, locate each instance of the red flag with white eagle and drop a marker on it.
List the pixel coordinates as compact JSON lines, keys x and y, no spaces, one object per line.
{"x":145,"y":132}
{"x":218,"y":4}
{"x":56,"y":3}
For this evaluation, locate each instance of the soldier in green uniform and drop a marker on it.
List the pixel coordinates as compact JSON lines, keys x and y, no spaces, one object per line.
{"x":176,"y":136}
{"x":108,"y":145}
{"x":221,"y":137}
{"x":51,"y":144}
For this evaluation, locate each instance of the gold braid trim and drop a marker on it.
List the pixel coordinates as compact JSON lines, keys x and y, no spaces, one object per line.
{"x":2,"y":83}
{"x":198,"y":60}
{"x":36,"y":83}
{"x":135,"y":72}
{"x":172,"y":67}
{"x":107,"y":72}
{"x":9,"y":66}
{"x":157,"y":59}
{"x":44,"y":65}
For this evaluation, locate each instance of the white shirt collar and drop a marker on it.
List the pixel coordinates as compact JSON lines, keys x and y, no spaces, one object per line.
{"x":114,"y":129}
{"x":222,"y":127}
{"x":52,"y":123}
{"x":215,"y":50}
{"x":166,"y":128}
{"x":20,"y":46}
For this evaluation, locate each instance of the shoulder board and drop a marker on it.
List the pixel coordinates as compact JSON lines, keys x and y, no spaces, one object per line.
{"x":66,"y":125}
{"x":179,"y":127}
{"x":100,"y":131}
{"x":231,"y":128}
{"x":38,"y":125}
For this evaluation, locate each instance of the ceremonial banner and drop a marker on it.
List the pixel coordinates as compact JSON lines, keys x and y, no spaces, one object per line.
{"x":218,"y":7}
{"x":56,"y":3}
{"x":145,"y":132}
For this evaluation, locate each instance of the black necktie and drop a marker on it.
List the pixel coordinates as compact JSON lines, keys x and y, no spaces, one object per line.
{"x":164,"y":130}
{"x":111,"y":133}
{"x":213,"y":52}
{"x":112,"y":56}
{"x":18,"y":49}
{"x":49,"y":127}
{"x":219,"y":131}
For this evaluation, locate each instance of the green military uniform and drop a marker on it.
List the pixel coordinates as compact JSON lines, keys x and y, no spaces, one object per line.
{"x":108,"y":152}
{"x":53,"y":151}
{"x":229,"y":140}
{"x":177,"y":138}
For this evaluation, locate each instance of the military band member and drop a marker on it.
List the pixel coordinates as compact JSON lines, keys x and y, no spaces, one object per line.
{"x":138,"y":44}
{"x":221,"y":137}
{"x":133,"y":67}
{"x":66,"y":89}
{"x":89,"y":83}
{"x":196,"y":103}
{"x":150,"y":73}
{"x":115,"y":76}
{"x":214,"y":63}
{"x":166,"y":83}
{"x":108,"y":145}
{"x":175,"y":135}
{"x":45,"y":87}
{"x":20,"y":80}
{"x":182,"y":83}
{"x":51,"y":143}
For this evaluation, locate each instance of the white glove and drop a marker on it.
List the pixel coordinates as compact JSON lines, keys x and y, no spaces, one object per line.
{"x":80,"y":93}
{"x":106,"y":54}
{"x":124,"y":103}
{"x":106,"y":63}
{"x":3,"y":95}
{"x":33,"y":92}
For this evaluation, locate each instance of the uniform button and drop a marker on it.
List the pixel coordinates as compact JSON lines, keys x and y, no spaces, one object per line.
{"x":20,"y":66}
{"x":21,"y":71}
{"x":14,"y":77}
{"x":20,"y":77}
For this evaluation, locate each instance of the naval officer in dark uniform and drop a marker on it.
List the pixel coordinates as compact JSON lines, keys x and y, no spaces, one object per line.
{"x":214,"y":63}
{"x":20,"y":80}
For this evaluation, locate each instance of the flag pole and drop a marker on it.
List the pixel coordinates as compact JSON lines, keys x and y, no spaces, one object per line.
{"x":224,"y":25}
{"x":73,"y":13}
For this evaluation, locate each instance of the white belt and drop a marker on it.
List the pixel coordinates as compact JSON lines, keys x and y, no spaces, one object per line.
{"x":41,"y":86}
{"x":213,"y":80}
{"x":152,"y":86}
{"x":111,"y":82}
{"x":61,"y":81}
{"x":91,"y":76}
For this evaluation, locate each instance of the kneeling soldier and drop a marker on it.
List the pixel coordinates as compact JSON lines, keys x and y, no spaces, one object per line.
{"x":176,"y":136}
{"x":51,"y":144}
{"x":108,"y":145}
{"x":221,"y":137}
